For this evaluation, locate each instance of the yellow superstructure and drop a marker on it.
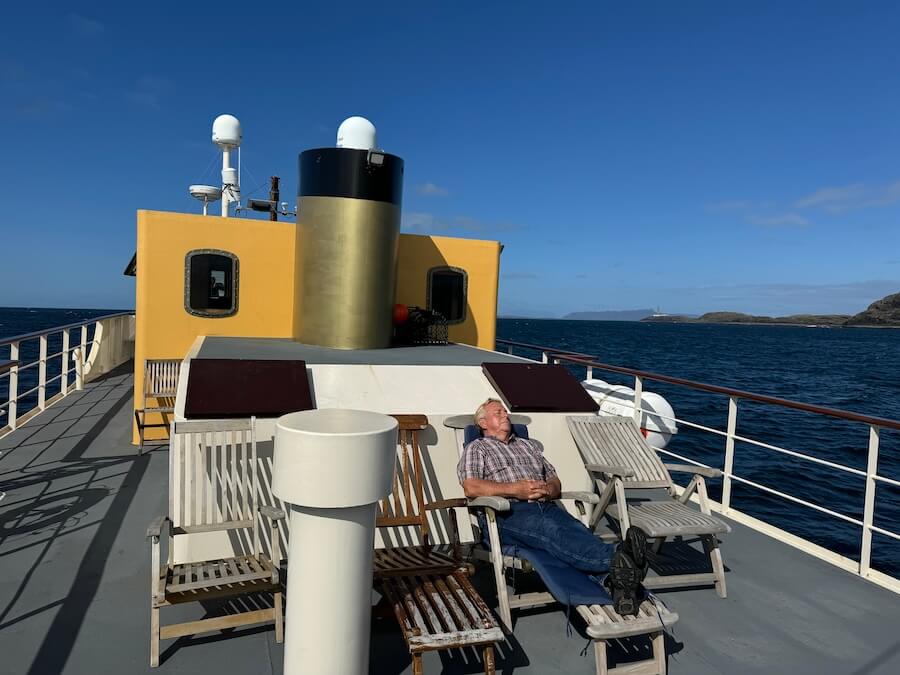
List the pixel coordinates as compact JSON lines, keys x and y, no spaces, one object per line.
{"x":266,"y":283}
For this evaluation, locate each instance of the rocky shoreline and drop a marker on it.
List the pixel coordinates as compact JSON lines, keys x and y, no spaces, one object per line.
{"x":884,"y":313}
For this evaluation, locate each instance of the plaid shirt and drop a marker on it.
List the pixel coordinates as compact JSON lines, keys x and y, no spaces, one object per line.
{"x":491,"y":459}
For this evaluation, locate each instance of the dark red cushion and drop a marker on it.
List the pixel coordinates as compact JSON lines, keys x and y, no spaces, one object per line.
{"x":229,"y":388}
{"x":539,"y":387}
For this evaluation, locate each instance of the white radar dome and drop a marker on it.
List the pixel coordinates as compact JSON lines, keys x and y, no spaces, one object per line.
{"x":205,"y":193}
{"x":226,"y":131}
{"x":356,"y":133}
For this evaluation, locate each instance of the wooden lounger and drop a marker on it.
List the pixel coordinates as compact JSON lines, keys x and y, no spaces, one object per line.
{"x":428,"y":585}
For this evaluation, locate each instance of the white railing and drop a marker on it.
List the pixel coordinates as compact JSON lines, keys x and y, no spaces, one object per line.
{"x":75,"y":363}
{"x":870,"y":474}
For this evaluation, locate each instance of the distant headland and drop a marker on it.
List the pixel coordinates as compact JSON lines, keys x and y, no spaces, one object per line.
{"x":881,"y":313}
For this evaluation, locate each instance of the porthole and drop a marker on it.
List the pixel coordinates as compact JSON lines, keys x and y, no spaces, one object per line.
{"x":447,"y":292}
{"x":211,"y":283}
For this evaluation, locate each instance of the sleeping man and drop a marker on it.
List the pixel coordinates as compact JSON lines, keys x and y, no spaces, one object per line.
{"x":500,"y":464}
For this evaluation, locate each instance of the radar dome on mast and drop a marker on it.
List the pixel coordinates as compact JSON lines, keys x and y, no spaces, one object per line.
{"x":226,"y":131}
{"x":356,"y":133}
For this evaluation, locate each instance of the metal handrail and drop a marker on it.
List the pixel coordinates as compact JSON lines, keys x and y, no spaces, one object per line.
{"x":737,"y":393}
{"x":750,"y":441}
{"x":543,"y":349}
{"x":870,"y":475}
{"x":15,"y":366}
{"x":58,"y":329}
{"x":26,"y":366}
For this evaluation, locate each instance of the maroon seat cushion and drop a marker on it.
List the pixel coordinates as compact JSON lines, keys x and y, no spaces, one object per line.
{"x":229,"y":388}
{"x":539,"y":387}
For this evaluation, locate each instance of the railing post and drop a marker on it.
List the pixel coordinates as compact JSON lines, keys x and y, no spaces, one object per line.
{"x":544,"y":358}
{"x":865,"y":555}
{"x":590,"y":373}
{"x":64,"y":367}
{"x":79,"y":364}
{"x":638,"y":392}
{"x":42,"y":373}
{"x":509,"y":349}
{"x":729,"y":453}
{"x":13,"y":385}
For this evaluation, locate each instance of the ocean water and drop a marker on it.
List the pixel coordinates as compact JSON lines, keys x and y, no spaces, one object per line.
{"x":855,"y":369}
{"x":21,"y":320}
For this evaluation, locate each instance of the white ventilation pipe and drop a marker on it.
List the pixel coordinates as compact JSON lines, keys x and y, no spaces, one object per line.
{"x":332,"y":467}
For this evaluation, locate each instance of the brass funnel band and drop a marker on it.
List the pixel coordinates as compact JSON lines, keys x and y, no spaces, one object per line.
{"x":346,"y":256}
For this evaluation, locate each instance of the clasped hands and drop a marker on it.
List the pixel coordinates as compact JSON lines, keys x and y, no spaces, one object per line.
{"x":534,"y":490}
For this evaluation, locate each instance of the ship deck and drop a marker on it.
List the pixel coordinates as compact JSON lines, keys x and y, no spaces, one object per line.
{"x":75,"y":576}
{"x":221,"y":347}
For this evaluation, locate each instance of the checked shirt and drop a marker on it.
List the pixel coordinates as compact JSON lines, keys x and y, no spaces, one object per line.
{"x":492,"y":459}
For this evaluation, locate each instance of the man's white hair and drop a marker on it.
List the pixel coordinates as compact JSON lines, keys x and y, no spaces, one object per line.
{"x":482,"y":410}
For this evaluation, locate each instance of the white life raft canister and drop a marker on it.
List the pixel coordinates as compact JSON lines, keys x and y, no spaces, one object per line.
{"x":657,"y":416}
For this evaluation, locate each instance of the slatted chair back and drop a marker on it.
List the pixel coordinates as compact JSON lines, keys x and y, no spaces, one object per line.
{"x":405,"y":506}
{"x":213,"y":482}
{"x":616,"y":441}
{"x":161,"y":378}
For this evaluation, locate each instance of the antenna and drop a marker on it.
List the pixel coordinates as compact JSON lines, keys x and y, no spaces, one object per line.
{"x":206,"y":194}
{"x":226,"y":133}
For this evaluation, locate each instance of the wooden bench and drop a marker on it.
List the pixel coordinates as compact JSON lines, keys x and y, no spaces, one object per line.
{"x":605,"y":625}
{"x":428,"y":585}
{"x":213,"y":473}
{"x":442,"y":611}
{"x":161,"y":385}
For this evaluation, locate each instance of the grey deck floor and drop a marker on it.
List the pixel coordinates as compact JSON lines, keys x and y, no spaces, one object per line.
{"x":221,"y":347}
{"x":74,"y":571}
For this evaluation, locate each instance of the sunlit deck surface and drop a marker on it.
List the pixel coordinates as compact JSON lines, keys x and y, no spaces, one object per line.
{"x":74,"y":578}
{"x":220,"y":347}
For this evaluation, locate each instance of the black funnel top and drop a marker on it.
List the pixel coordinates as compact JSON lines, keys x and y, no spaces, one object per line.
{"x":344,"y":172}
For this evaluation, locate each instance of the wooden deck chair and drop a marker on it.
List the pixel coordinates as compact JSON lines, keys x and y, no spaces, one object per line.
{"x":161,"y":385}
{"x":213,"y":487}
{"x":428,"y":585}
{"x":619,"y":458}
{"x":603,"y":623}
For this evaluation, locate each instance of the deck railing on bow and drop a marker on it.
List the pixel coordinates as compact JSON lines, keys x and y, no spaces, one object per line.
{"x":734,"y":397}
{"x":71,"y":356}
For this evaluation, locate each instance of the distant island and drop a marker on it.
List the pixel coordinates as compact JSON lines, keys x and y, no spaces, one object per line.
{"x":884,"y":313}
{"x":881,"y":313}
{"x":739,"y":317}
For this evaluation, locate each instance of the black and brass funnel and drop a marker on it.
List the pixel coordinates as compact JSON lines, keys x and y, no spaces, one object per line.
{"x":348,"y":227}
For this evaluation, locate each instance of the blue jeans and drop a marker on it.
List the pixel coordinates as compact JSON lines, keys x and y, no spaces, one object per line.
{"x":545,"y":526}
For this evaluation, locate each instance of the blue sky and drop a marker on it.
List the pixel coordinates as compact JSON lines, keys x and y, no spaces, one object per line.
{"x":693,"y":156}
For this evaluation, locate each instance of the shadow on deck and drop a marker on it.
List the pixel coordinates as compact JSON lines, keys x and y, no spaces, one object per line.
{"x":75,"y":580}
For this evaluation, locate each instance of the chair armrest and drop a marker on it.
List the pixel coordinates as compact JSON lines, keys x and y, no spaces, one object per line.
{"x":447,"y":504}
{"x":620,"y":471}
{"x":271,"y":512}
{"x":707,"y":471}
{"x":458,"y":421}
{"x":584,"y":497}
{"x":496,"y":503}
{"x":155,"y":526}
